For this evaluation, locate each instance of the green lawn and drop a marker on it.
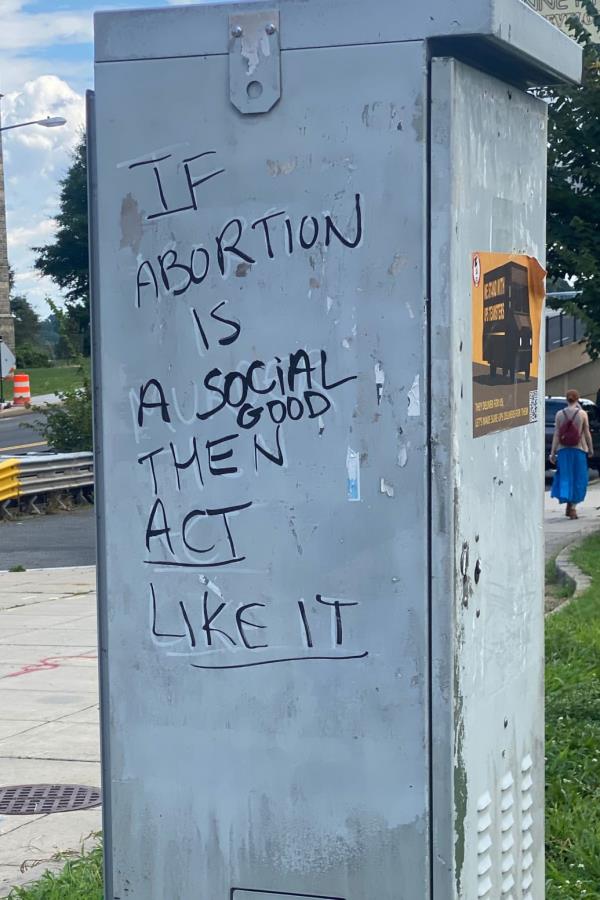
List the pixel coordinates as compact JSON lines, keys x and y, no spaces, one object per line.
{"x":572,"y":754}
{"x":49,"y":380}
{"x":573,"y":740}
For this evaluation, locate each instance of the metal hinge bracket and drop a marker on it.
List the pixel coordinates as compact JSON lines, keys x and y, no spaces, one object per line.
{"x":254,"y":61}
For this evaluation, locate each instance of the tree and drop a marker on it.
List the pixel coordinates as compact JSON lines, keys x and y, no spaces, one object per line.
{"x":574,"y":182}
{"x":27,"y":322}
{"x":65,"y":260}
{"x":67,"y":425}
{"x":49,"y":333}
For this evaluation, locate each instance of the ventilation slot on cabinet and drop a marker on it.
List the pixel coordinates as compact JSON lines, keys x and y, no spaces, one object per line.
{"x":484,"y":845}
{"x":507,"y":840}
{"x":526,"y":827}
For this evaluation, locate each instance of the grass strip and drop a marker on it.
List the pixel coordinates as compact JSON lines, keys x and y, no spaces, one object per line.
{"x":48,"y":380}
{"x":573,"y":740}
{"x":81,"y":879}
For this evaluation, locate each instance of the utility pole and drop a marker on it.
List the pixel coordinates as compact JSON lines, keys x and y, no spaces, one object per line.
{"x":7,"y":325}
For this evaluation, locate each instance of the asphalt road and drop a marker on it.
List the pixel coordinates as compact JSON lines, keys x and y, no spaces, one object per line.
{"x":15,"y":437}
{"x":40,"y":542}
{"x":46,"y":541}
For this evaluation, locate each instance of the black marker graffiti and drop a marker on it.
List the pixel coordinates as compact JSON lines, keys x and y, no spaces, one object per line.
{"x":192,"y":181}
{"x":175,"y":271}
{"x":236,"y":417}
{"x":181,"y":547}
{"x":211,"y":628}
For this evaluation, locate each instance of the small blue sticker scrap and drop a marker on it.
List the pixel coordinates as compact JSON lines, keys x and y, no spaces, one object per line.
{"x":352,"y":475}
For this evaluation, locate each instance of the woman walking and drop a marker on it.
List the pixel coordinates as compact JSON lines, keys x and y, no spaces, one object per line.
{"x":571,"y":445}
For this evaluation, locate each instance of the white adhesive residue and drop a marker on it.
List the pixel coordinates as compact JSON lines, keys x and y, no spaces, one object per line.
{"x":321,"y":425}
{"x":346,"y":344}
{"x":410,"y":310}
{"x":379,"y":381}
{"x":211,"y":586}
{"x":255,"y":42}
{"x":352,"y":475}
{"x":402,"y":455}
{"x":329,"y":303}
{"x":414,"y":398}
{"x":386,"y":488}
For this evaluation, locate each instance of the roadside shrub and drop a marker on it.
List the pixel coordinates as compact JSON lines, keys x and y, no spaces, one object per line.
{"x":68,"y":427}
{"x":30,"y":357}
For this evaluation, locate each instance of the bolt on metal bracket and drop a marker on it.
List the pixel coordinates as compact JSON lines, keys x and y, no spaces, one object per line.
{"x":254,"y":61}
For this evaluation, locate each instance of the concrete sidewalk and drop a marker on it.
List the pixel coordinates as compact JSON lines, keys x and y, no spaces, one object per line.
{"x":559,"y":531}
{"x":48,"y":710}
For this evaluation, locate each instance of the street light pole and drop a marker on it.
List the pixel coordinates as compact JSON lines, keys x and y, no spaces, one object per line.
{"x":1,"y":376}
{"x":6,"y":322}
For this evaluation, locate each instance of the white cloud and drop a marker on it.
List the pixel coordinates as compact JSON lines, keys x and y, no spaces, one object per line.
{"x":20,"y":30}
{"x":35,"y":159}
{"x":25,"y":237}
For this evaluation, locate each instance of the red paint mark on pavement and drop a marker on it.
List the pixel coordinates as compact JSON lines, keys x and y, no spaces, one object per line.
{"x":50,"y":662}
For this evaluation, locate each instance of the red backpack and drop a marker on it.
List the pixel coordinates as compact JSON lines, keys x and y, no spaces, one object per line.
{"x":569,"y":434}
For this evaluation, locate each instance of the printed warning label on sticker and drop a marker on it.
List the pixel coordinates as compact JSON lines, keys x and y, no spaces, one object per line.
{"x":507,"y":298}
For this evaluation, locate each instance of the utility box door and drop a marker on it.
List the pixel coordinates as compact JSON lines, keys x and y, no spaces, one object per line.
{"x":259,"y":309}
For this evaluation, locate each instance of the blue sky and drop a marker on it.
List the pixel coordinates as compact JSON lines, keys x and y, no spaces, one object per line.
{"x":46,"y":53}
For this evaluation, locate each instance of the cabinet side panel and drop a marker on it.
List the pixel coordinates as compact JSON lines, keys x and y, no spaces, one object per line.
{"x":487,"y":195}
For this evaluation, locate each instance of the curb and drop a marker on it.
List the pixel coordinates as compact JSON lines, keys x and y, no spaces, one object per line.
{"x":571,"y":575}
{"x":14,"y":411}
{"x":35,"y":406}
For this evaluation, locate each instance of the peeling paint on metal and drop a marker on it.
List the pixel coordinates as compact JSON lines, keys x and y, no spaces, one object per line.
{"x":398,"y":263}
{"x":211,"y":586}
{"x":414,"y":398}
{"x":402,"y":455}
{"x":385,"y":488}
{"x":255,"y":41}
{"x":277,"y":168}
{"x":379,"y":381}
{"x":131,"y":224}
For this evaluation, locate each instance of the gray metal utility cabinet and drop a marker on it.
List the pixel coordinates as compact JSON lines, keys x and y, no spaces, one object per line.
{"x":320,"y":556}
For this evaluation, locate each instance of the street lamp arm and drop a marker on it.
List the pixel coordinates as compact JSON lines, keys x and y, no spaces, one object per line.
{"x":50,"y":122}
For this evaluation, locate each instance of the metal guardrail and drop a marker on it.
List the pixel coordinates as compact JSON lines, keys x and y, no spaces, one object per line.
{"x":34,"y":476}
{"x":9,"y":478}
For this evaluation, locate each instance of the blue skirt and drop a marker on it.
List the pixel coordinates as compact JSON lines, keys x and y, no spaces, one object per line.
{"x":571,"y":477}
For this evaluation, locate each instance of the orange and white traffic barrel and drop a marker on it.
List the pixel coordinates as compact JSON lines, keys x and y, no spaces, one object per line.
{"x":21,"y":390}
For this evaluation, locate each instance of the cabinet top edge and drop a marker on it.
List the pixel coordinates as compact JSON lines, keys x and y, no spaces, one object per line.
{"x":203,"y":29}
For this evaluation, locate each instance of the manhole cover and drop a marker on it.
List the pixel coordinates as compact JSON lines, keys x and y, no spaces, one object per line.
{"x":38,"y":799}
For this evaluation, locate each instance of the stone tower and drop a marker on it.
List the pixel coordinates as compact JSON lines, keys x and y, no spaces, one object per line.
{"x":7,"y":327}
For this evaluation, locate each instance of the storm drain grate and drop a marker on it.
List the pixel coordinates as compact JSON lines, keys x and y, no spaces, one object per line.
{"x":41,"y":799}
